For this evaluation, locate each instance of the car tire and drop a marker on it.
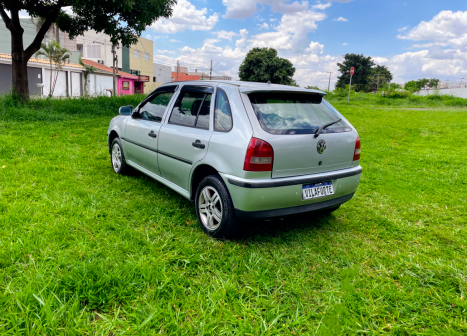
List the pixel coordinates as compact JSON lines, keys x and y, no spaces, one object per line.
{"x":215,"y":210}
{"x":117,"y":158}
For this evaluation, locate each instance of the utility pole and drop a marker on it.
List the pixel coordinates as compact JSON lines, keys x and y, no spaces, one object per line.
{"x":114,"y":56}
{"x":329,"y":84}
{"x":178,"y":67}
{"x":210,"y":73}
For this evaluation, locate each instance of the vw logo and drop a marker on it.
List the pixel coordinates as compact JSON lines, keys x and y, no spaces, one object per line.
{"x":321,"y":146}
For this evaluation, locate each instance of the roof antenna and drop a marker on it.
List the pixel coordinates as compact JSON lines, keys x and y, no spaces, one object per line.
{"x":269,"y":82}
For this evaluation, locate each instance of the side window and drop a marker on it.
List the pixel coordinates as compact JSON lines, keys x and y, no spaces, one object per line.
{"x":154,"y":109}
{"x":222,"y":114}
{"x":192,"y":109}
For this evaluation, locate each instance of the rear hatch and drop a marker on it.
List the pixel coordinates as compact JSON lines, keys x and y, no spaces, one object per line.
{"x":291,"y":120}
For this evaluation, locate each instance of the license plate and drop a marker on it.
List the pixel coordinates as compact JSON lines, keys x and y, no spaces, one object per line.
{"x":317,"y":190}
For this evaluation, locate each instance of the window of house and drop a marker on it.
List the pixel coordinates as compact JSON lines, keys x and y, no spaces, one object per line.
{"x":93,"y":51}
{"x":222,"y":113}
{"x":136,"y":54}
{"x":154,"y":79}
{"x":126,"y":85}
{"x":79,"y":47}
{"x":154,"y":109}
{"x":192,"y":109}
{"x":146,"y":56}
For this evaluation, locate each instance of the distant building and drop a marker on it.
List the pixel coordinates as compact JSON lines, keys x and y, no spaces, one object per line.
{"x":31,"y":26}
{"x":178,"y":77}
{"x":101,"y":82}
{"x":69,"y":80}
{"x":206,"y":75}
{"x":161,"y":74}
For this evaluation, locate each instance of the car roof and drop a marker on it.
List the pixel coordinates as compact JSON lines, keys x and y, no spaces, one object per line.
{"x":247,"y":87}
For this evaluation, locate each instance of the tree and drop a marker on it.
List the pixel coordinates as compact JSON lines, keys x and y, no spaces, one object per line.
{"x":263,"y":65}
{"x":380,"y":74}
{"x":56,"y":56}
{"x":363,"y":68}
{"x":414,"y":86}
{"x":312,"y":87}
{"x":123,"y":21}
{"x":87,"y":71}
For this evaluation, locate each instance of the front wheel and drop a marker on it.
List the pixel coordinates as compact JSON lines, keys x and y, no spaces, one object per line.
{"x":117,"y":158}
{"x":214,"y":208}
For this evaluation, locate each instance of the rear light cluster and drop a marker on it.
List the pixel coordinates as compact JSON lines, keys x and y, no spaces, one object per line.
{"x":356,"y":154}
{"x":259,"y":156}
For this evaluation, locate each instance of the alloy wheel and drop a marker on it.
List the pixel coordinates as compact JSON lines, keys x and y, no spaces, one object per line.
{"x":210,"y":208}
{"x":116,"y":157}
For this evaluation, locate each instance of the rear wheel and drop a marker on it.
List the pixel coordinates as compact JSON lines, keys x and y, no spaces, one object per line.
{"x":214,"y":208}
{"x":118,"y":159}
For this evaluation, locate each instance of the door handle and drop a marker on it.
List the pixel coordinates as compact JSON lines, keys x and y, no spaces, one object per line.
{"x":152,"y":134}
{"x":198,"y":144}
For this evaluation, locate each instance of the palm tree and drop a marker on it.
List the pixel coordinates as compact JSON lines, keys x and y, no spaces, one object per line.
{"x":56,"y":56}
{"x":87,"y":71}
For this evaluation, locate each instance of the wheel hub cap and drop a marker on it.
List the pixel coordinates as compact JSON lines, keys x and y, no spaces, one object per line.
{"x":210,"y":208}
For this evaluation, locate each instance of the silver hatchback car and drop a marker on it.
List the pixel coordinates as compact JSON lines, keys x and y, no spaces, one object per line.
{"x":240,"y":150}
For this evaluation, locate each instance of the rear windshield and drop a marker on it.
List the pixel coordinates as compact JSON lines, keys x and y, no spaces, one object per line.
{"x":295,"y":113}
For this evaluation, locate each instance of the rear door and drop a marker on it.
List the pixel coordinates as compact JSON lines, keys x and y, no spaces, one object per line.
{"x":288,"y":122}
{"x":184,"y":138}
{"x":141,"y":133}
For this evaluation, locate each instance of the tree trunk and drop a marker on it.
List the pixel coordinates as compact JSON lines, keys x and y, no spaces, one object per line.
{"x":19,"y":65}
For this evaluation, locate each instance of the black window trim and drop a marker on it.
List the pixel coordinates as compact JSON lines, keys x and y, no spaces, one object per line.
{"x":151,"y":96}
{"x":199,"y":109}
{"x":214,"y":117}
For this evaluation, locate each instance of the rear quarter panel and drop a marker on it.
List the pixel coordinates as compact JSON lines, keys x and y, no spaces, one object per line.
{"x":226,"y":152}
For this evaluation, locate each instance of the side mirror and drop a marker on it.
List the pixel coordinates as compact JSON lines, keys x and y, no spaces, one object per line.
{"x":125,"y":110}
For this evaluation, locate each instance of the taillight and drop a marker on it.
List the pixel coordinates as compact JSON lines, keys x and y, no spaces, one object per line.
{"x":259,"y":156}
{"x":356,"y":154}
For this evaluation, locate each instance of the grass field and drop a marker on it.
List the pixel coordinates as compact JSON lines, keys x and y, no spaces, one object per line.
{"x":84,"y":251}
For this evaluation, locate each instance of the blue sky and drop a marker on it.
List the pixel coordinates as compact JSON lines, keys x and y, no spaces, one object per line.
{"x":413,"y":38}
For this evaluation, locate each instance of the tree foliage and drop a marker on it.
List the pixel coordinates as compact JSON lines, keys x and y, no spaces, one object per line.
{"x":122,"y":20}
{"x":363,"y":69}
{"x":417,"y":85}
{"x":368,"y":75}
{"x":263,"y":65}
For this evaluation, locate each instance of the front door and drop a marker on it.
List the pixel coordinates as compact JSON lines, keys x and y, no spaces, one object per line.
{"x":141,"y":133}
{"x":184,"y":139}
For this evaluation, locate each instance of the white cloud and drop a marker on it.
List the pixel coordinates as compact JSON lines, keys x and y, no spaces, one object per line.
{"x":241,"y":42}
{"x":225,"y":35}
{"x":445,"y":29}
{"x":272,"y":20}
{"x":264,"y":25}
{"x":345,"y":44}
{"x":174,"y":40}
{"x":163,"y":51}
{"x":148,"y":36}
{"x":291,"y":33}
{"x":322,"y":6}
{"x":186,"y":16}
{"x":315,"y":48}
{"x":403,"y":29}
{"x":341,"y":19}
{"x":240,"y":9}
{"x":211,"y":41}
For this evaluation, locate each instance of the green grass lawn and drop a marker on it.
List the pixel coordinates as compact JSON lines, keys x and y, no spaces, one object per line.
{"x":84,"y":251}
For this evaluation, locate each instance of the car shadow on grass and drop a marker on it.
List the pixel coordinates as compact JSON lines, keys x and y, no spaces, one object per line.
{"x":285,"y":228}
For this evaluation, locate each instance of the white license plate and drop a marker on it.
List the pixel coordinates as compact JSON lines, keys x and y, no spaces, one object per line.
{"x":317,"y":190}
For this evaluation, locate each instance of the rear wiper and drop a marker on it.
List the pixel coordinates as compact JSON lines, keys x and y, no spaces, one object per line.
{"x":320,"y":130}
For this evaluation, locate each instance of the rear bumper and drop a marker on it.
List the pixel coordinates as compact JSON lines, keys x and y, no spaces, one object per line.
{"x":293,"y":210}
{"x":264,"y":198}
